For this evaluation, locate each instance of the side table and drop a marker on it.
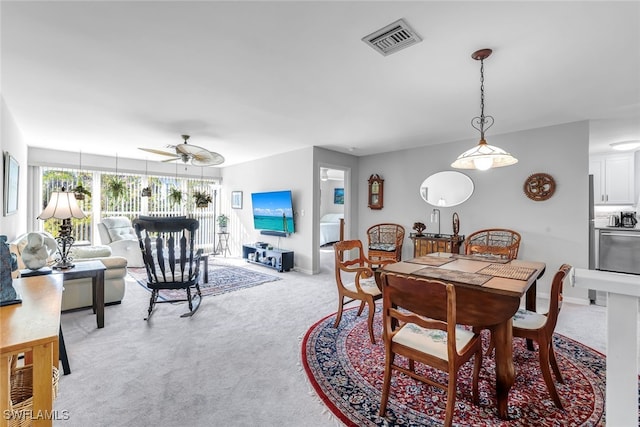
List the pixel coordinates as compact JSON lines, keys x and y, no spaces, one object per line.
{"x":32,"y":327}
{"x":95,"y":270}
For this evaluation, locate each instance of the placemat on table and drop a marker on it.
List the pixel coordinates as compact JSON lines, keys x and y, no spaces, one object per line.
{"x":453,"y":275}
{"x":430,"y":260}
{"x":486,"y":258}
{"x":508,"y":271}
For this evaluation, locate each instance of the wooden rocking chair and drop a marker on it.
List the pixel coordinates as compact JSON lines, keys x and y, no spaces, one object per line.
{"x":170,"y":258}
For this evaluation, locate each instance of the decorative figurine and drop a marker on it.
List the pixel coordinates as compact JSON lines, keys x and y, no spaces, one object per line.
{"x":39,"y":248}
{"x":419,"y":227}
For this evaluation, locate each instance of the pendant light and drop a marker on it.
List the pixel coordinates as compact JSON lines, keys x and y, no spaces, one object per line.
{"x":483,"y":156}
{"x":146,"y":191}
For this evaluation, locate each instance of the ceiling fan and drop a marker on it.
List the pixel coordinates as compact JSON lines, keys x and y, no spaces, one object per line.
{"x":198,"y":156}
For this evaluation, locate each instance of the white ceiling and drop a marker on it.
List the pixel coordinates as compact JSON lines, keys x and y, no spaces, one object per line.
{"x":252,"y":79}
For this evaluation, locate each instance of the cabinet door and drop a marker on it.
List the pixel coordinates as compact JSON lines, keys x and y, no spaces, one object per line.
{"x":619,"y":180}
{"x":596,"y":168}
{"x":613,"y":179}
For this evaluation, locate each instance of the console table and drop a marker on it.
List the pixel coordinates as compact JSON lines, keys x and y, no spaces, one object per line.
{"x":429,"y":243}
{"x":32,"y":327}
{"x":281,"y":260}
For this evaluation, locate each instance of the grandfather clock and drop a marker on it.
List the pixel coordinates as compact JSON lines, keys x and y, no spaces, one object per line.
{"x":376,"y":192}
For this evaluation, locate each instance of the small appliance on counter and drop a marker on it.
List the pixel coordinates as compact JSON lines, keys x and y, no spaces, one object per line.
{"x":614,"y":221}
{"x":628,"y":219}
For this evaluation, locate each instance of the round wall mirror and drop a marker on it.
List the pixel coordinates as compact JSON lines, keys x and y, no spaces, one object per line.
{"x":447,"y":188}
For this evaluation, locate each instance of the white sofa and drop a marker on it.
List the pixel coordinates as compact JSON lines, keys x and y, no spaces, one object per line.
{"x":118,"y":233}
{"x":78,"y":293}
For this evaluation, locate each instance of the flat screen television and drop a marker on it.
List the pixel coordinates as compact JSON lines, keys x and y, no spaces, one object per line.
{"x":273,"y":211}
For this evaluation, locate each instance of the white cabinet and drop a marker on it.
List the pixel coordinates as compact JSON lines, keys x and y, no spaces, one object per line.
{"x":613,"y":179}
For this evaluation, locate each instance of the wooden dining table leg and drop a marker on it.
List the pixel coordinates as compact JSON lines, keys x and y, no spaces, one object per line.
{"x":530,"y":305}
{"x":505,"y":372}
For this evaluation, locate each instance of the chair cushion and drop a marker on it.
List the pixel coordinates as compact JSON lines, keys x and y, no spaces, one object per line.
{"x":80,"y":252}
{"x":525,"y":319}
{"x":368,"y":286}
{"x":430,"y":341}
{"x":386,"y":247}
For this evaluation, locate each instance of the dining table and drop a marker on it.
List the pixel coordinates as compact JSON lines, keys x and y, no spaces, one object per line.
{"x":489,"y":291}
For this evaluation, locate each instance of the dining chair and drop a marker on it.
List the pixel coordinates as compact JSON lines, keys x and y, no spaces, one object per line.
{"x":500,"y":242}
{"x":355,"y":279}
{"x":540,"y":328}
{"x":385,"y":241}
{"x":419,"y":321}
{"x":170,"y":259}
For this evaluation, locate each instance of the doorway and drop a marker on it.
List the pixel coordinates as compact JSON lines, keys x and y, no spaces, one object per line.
{"x":332,"y":209}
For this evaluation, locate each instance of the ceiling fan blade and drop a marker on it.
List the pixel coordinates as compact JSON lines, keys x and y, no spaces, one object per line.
{"x":171,"y":160}
{"x":207,"y":158}
{"x":164,"y":153}
{"x":188,"y":149}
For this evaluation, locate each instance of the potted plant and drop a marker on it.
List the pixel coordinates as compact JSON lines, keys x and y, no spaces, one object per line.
{"x":202,"y":199}
{"x":223,"y":220}
{"x":146,"y":192}
{"x":80,"y":191}
{"x":175,"y":196}
{"x":116,"y":188}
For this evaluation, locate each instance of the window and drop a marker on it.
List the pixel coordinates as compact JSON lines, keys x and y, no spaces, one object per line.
{"x":121,"y":195}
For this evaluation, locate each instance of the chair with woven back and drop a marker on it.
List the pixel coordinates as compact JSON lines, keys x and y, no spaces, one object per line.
{"x":419,"y":321}
{"x":170,"y":258}
{"x":385,"y":241}
{"x":355,"y":279}
{"x":499,"y":242}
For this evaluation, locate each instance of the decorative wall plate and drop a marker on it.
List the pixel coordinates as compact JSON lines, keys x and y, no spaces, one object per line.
{"x":539,"y":186}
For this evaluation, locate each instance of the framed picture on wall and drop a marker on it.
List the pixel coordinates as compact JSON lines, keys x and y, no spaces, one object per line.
{"x":236,"y":199}
{"x":338,"y":196}
{"x":11,"y":176}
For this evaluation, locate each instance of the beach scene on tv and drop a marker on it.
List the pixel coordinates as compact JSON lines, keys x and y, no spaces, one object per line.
{"x":273,"y":211}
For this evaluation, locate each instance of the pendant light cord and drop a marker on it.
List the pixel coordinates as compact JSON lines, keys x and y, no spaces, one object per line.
{"x":479,"y":122}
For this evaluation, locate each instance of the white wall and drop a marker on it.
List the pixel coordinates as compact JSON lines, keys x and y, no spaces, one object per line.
{"x":554,"y":231}
{"x":327,"y":189}
{"x":11,"y":141}
{"x":290,"y":171}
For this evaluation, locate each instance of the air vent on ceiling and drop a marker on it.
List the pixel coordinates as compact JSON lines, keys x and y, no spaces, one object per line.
{"x":392,"y":38}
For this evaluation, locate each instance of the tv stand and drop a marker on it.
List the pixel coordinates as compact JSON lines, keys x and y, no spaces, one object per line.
{"x":281,"y":260}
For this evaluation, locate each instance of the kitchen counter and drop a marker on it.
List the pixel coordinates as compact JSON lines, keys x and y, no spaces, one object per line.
{"x":636,"y":228}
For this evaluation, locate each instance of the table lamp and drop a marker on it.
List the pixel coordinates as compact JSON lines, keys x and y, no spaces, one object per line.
{"x":62,"y":205}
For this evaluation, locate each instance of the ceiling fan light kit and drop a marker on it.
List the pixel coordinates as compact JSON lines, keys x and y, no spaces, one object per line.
{"x":185,"y":152}
{"x":483,"y":156}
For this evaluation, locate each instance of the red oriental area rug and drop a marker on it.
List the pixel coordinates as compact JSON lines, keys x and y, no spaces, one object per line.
{"x":346,"y":371}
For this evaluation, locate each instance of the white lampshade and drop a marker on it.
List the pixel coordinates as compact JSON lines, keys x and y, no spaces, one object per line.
{"x":484,"y":156}
{"x":62,"y":205}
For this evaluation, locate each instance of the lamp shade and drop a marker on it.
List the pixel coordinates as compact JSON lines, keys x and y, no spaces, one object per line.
{"x":62,"y":205}
{"x":484,"y":156}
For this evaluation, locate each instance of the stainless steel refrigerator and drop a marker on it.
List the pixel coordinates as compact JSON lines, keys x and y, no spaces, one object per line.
{"x":594,"y":297}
